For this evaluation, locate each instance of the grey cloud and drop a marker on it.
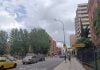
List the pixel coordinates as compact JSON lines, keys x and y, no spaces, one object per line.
{"x":43,"y":12}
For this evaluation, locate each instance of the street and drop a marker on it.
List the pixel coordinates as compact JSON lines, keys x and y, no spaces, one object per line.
{"x":49,"y":64}
{"x":49,"y":34}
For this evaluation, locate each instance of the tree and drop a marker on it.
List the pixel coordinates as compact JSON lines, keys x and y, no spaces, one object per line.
{"x":3,"y":42}
{"x":26,"y":43}
{"x":83,"y":40}
{"x":40,"y":41}
{"x":14,"y":42}
{"x":19,"y":42}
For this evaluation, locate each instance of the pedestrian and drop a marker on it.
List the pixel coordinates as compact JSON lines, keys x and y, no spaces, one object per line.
{"x":65,"y":58}
{"x":69,"y":58}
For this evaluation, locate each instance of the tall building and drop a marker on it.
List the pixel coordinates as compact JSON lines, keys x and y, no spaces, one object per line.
{"x":92,"y":5}
{"x":82,"y":19}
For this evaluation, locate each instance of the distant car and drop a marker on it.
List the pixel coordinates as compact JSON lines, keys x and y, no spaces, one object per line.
{"x":30,"y":54}
{"x":29,"y":60}
{"x":61,"y":56}
{"x":40,"y":57}
{"x":6,"y":63}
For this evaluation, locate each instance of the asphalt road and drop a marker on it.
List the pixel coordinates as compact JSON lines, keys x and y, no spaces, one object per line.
{"x":49,"y":64}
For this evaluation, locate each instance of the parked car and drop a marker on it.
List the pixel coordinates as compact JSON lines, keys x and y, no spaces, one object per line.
{"x":41,"y":57}
{"x":29,"y":60}
{"x":6,"y":63}
{"x":61,"y":56}
{"x":30,"y":54}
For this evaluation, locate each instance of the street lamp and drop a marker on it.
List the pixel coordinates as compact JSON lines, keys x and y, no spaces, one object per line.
{"x":62,"y":29}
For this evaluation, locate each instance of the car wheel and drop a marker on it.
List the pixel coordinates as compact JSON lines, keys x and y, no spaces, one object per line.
{"x":15,"y":65}
{"x":35,"y":61}
{"x":30,"y":62}
{"x":2,"y":68}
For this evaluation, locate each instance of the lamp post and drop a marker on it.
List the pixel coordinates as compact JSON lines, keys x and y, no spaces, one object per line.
{"x":63,"y":32}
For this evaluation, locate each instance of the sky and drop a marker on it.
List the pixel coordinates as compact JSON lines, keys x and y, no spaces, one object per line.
{"x":28,"y":14}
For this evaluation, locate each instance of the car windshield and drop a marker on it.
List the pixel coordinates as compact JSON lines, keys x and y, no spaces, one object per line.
{"x":28,"y":57}
{"x":11,"y":58}
{"x":2,"y":58}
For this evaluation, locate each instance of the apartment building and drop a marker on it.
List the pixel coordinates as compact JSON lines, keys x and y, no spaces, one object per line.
{"x":92,"y":5}
{"x":54,"y":50}
{"x":82,"y":19}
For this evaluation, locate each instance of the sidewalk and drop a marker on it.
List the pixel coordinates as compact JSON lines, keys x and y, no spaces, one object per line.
{"x":73,"y":65}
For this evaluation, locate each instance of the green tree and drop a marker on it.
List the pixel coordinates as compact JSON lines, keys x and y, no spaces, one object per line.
{"x":19,"y":42}
{"x":25,"y":42}
{"x":83,"y":40}
{"x":40,"y":41}
{"x":3,"y":42}
{"x":14,"y":42}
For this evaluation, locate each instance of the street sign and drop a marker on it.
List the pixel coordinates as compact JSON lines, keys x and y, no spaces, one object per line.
{"x":78,"y":45}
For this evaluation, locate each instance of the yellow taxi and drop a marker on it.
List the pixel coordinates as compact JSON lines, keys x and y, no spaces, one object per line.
{"x":6,"y":63}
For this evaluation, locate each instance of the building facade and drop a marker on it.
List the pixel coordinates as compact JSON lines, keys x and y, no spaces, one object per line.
{"x":72,"y":40}
{"x":92,"y":5}
{"x":54,"y":50}
{"x":82,"y":19}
